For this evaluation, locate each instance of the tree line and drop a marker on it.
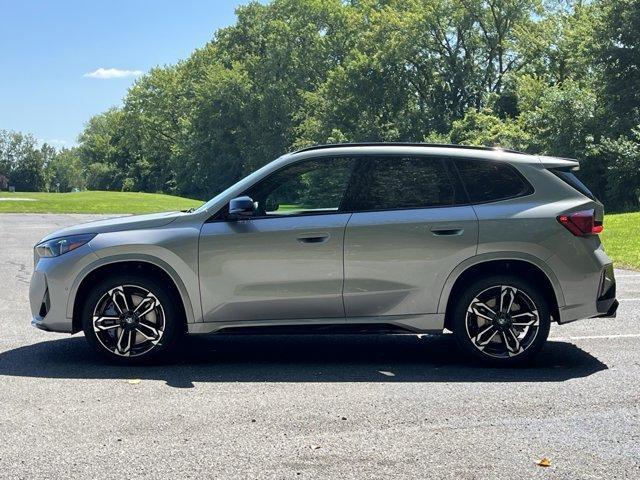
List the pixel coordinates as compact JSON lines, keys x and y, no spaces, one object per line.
{"x":30,"y":167}
{"x":549,"y":77}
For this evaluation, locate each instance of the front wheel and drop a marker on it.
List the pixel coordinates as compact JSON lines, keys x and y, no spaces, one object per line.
{"x":501,"y":320}
{"x":132,"y":319}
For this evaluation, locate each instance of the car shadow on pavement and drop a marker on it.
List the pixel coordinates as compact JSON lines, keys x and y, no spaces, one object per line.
{"x":300,"y":358}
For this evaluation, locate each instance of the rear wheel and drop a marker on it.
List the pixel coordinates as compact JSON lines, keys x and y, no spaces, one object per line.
{"x":501,"y":320}
{"x":132,"y":319}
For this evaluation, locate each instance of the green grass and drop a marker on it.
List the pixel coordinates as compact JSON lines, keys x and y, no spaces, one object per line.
{"x":621,"y":238}
{"x":92,"y":202}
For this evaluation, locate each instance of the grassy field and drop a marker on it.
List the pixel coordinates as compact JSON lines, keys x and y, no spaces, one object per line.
{"x":621,"y":238}
{"x":621,"y":235}
{"x":92,"y":202}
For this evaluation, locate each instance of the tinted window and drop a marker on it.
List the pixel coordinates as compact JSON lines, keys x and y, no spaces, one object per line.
{"x":313,"y":186}
{"x":384,"y":183}
{"x":487,"y":181}
{"x":575,"y":182}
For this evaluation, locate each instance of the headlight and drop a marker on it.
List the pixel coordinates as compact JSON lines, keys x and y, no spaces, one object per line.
{"x":58,"y":246}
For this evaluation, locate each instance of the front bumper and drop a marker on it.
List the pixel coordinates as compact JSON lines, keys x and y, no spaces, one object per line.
{"x":48,"y":305}
{"x":49,"y":289}
{"x":38,"y":322}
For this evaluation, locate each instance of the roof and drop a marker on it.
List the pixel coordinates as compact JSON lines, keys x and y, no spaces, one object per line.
{"x":448,"y":150}
{"x":405,"y":144}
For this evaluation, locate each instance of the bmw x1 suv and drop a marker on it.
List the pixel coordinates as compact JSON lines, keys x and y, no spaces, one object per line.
{"x":489,"y":244}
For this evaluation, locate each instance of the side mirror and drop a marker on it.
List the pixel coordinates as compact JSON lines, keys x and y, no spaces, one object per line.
{"x":241,"y":207}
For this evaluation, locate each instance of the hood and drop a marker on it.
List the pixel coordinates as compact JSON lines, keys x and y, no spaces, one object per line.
{"x":118,"y":224}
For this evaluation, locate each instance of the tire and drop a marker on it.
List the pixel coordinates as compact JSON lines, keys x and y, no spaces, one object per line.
{"x":508,"y":336}
{"x":132,"y":319}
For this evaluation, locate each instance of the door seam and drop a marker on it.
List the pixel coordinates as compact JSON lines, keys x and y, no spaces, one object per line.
{"x":344,"y":270}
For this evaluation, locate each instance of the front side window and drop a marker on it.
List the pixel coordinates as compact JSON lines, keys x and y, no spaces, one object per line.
{"x":396,"y":182}
{"x":490,"y":181}
{"x":308,"y":187}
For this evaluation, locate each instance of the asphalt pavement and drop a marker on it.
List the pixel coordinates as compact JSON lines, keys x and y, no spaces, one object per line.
{"x":335,"y":407}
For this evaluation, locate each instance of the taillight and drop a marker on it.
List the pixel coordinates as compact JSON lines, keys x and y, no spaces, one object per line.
{"x":581,"y":223}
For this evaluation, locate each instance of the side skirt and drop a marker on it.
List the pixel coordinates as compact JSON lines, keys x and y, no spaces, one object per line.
{"x":429,"y":323}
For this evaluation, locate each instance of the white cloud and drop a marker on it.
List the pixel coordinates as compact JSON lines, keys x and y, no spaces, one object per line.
{"x":106,"y":73}
{"x":55,"y":142}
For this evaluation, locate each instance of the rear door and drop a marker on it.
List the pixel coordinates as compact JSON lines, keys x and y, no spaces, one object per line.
{"x":411,"y":226}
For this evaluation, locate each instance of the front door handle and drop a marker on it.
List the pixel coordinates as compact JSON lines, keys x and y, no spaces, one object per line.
{"x":314,"y":238}
{"x":444,"y":232}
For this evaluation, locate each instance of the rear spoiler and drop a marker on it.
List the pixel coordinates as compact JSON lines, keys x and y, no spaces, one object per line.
{"x":558,"y":163}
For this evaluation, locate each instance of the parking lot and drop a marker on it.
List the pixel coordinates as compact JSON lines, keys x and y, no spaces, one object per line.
{"x":345,"y":406}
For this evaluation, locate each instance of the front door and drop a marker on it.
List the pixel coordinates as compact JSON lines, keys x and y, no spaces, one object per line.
{"x":285,"y":262}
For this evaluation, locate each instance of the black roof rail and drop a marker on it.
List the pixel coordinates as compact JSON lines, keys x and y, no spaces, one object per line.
{"x":404,"y":144}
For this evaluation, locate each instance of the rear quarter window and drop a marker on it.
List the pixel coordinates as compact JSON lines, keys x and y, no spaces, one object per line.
{"x":488,"y":181}
{"x":573,"y":181}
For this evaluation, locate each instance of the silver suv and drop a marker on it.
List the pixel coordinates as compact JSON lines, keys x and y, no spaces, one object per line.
{"x":490,"y":244}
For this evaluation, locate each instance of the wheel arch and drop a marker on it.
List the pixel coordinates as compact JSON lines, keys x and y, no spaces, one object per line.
{"x":529,"y":267}
{"x":141,"y":265}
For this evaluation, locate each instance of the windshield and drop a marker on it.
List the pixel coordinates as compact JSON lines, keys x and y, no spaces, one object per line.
{"x":242,"y":184}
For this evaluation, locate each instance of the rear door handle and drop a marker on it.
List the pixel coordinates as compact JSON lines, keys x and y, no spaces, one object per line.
{"x":314,"y":238}
{"x":444,"y":232}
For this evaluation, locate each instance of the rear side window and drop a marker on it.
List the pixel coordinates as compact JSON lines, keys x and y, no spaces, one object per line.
{"x":387,"y":183}
{"x":488,"y":181}
{"x":572,"y":180}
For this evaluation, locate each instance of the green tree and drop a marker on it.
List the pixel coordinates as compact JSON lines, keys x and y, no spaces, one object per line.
{"x":65,"y":171}
{"x":622,"y":177}
{"x":618,"y":55}
{"x":22,"y":161}
{"x":560,"y":46}
{"x":103,"y":152}
{"x":485,"y":128}
{"x":560,"y":119}
{"x":549,"y":77}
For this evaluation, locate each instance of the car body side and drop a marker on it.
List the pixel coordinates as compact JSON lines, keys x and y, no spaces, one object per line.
{"x":522,"y":229}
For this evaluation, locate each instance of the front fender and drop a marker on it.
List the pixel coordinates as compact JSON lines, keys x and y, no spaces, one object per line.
{"x":173,"y":250}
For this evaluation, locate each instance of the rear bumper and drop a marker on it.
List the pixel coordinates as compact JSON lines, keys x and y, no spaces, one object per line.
{"x":600,"y":303}
{"x":611,"y":311}
{"x":607,"y":304}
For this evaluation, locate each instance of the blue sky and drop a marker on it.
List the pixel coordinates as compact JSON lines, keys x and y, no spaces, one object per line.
{"x":47,"y":49}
